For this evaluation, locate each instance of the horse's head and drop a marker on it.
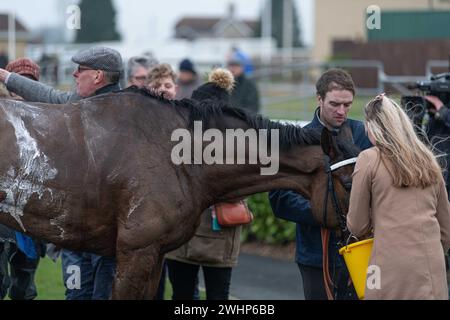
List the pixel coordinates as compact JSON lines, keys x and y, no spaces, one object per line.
{"x":331,"y":188}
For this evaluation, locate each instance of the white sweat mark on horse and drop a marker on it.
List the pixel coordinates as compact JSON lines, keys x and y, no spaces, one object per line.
{"x":34,"y":170}
{"x":59,"y":220}
{"x":56,"y":223}
{"x":133,"y":205}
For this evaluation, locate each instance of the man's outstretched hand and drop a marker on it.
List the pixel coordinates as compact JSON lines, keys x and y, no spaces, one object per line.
{"x":3,"y":75}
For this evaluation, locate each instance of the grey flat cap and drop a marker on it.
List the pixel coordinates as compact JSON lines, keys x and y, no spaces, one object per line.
{"x":100,"y":58}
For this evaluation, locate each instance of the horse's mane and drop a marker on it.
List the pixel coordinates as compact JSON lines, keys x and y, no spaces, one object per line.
{"x":208,"y":111}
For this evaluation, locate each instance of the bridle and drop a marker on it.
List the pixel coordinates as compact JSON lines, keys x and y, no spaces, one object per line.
{"x":331,"y":190}
{"x":325,"y":234}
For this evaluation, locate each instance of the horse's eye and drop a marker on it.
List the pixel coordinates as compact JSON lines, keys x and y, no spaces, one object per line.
{"x":347,"y":183}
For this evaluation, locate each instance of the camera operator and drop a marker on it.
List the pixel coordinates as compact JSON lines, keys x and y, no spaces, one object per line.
{"x":438,"y":131}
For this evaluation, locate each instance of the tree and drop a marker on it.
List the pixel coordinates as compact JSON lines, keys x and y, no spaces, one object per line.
{"x":278,"y":21}
{"x":98,"y":22}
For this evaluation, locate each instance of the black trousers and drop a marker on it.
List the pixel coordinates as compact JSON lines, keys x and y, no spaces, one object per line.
{"x":19,"y":281}
{"x":314,"y":286}
{"x":162,"y":283}
{"x":183,"y":277}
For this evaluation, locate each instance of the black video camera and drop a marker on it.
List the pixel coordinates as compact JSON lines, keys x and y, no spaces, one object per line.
{"x":417,"y":106}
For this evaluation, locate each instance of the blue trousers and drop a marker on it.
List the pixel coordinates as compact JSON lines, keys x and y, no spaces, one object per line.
{"x":87,"y":276}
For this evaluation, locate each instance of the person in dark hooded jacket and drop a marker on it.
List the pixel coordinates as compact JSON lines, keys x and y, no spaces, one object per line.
{"x":245,"y":94}
{"x":213,"y":248}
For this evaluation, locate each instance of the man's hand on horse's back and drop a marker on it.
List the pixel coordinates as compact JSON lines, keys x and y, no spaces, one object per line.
{"x":3,"y":75}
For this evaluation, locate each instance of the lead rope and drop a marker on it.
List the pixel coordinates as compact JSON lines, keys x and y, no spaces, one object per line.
{"x":325,"y":234}
{"x":328,"y":283}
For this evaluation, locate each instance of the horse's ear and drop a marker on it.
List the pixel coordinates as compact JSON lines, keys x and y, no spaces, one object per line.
{"x":328,"y":142}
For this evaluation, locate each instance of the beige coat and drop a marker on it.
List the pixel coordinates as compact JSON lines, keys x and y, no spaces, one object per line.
{"x":411,"y":231}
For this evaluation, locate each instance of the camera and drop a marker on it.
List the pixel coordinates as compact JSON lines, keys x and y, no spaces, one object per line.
{"x":417,"y":106}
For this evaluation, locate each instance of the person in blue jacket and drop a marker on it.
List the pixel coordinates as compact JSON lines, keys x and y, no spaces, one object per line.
{"x":335,"y":93}
{"x":246,"y":61}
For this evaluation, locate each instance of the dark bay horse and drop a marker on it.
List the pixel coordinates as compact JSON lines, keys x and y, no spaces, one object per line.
{"x":97,"y":176}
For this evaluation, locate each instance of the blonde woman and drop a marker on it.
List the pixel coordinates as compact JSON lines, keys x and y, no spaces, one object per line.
{"x":398,"y":193}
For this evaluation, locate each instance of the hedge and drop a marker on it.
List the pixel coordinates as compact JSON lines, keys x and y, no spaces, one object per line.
{"x":266,"y":227}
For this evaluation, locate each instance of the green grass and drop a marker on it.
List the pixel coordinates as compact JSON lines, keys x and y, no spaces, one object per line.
{"x":303,"y":109}
{"x":49,"y":282}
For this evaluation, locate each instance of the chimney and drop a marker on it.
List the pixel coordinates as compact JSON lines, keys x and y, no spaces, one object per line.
{"x":231,"y":10}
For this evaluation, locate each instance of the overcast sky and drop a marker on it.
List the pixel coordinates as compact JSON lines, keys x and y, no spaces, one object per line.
{"x":141,"y":20}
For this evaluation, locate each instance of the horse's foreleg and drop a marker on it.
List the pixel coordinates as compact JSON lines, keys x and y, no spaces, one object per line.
{"x":138,"y":272}
{"x":155,"y":277}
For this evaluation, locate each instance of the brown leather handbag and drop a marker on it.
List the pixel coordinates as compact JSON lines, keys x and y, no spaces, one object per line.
{"x":233,"y":214}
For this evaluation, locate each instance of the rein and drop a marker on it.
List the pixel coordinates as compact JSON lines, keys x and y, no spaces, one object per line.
{"x":325,"y":233}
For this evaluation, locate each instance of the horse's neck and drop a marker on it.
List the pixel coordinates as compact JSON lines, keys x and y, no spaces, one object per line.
{"x":296,"y":170}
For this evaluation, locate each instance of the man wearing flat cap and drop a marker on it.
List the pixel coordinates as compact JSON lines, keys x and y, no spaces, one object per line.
{"x":98,"y":71}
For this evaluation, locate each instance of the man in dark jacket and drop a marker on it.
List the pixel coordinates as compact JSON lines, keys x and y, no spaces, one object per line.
{"x":335,"y":93}
{"x":245,"y":94}
{"x":86,"y":276}
{"x":188,"y":79}
{"x":438,"y":132}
